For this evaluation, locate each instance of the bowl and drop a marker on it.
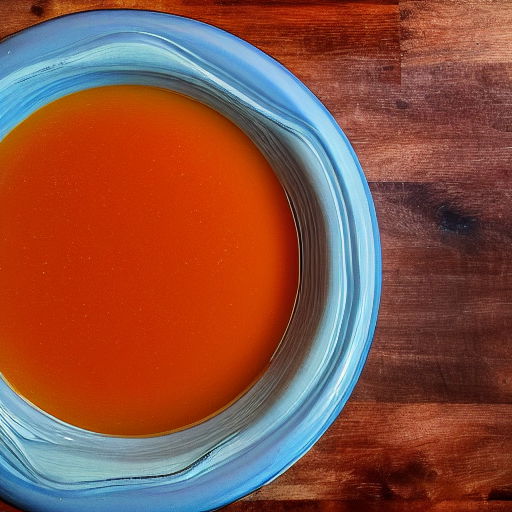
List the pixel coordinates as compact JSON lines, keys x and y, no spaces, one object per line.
{"x":49,"y":466}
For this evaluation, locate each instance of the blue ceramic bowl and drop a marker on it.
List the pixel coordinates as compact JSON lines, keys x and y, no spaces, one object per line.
{"x":49,"y":466}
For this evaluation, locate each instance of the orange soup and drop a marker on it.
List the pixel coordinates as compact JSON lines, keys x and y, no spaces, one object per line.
{"x":148,"y":260}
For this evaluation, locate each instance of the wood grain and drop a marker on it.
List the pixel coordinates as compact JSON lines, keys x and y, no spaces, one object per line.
{"x":367,"y":506}
{"x":446,"y":314}
{"x":388,"y":451}
{"x":423,"y":89}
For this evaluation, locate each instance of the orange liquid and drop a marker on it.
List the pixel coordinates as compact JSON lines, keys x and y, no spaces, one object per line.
{"x":148,"y":260}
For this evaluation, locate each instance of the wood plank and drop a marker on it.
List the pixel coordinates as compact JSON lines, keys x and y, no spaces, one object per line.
{"x":446,"y":122}
{"x":353,"y":506}
{"x":369,"y":506}
{"x":446,"y":31}
{"x":388,"y":451}
{"x":446,"y":311}
{"x":456,"y":84}
{"x":473,"y":219}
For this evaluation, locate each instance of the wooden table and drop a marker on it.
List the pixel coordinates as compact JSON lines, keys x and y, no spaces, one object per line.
{"x":423,"y":89}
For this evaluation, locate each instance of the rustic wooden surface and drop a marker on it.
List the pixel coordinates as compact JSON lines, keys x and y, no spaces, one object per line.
{"x":424,"y":91}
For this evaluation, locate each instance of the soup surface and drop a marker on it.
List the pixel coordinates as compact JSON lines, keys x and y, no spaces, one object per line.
{"x":148,"y":260}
